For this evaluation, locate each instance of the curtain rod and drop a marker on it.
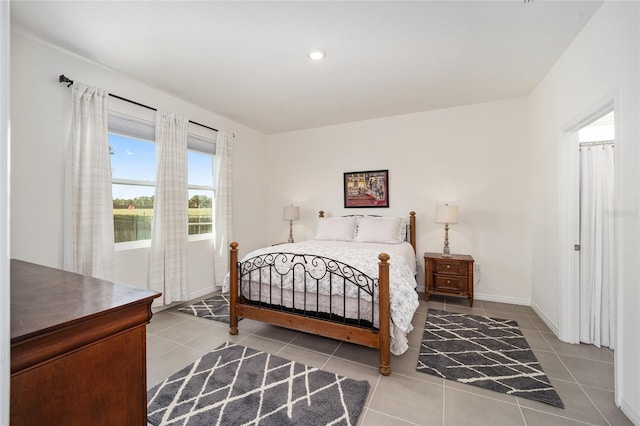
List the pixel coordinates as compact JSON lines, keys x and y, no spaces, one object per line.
{"x":596,"y":143}
{"x":65,"y":79}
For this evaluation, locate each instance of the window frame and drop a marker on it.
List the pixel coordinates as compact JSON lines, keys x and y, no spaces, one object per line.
{"x":203,"y":145}
{"x":133,"y":127}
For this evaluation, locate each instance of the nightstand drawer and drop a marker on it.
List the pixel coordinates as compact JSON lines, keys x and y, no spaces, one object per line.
{"x":451,"y":267}
{"x":451,"y":283}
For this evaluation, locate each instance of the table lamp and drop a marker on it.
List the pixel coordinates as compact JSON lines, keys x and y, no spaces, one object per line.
{"x":291,"y":213}
{"x":448,"y":215}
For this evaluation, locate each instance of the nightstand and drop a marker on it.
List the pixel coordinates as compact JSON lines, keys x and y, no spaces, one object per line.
{"x":448,"y":276}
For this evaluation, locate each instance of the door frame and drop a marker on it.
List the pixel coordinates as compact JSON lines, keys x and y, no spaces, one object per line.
{"x":5,"y":153}
{"x":569,"y":219}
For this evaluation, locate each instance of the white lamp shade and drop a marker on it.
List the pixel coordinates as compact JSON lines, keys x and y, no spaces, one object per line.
{"x":291,"y":213}
{"x":446,"y":214}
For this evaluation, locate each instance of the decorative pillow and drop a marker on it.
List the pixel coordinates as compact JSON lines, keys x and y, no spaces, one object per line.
{"x":336,"y":228}
{"x":379,"y":230}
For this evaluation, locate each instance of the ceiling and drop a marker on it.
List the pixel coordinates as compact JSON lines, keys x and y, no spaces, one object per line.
{"x":247,"y":60}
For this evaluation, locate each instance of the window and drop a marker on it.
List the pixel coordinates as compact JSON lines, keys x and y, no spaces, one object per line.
{"x":133,"y":174}
{"x":200,"y":164}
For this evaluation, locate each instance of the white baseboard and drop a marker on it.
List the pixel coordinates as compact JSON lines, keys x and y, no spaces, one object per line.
{"x":492,"y":298}
{"x":520,"y":301}
{"x":502,"y":299}
{"x":630,"y":412}
{"x":553,"y":326}
{"x":202,"y":292}
{"x":192,"y":296}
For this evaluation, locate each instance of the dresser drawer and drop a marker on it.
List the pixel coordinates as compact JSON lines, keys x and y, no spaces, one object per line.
{"x":445,"y":283}
{"x":450,"y":266}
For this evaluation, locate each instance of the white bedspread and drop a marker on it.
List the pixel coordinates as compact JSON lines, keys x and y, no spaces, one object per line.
{"x":364,"y":256}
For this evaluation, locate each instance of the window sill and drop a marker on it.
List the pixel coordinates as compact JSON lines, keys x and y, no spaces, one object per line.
{"x":132,"y":245}
{"x":200,"y":237}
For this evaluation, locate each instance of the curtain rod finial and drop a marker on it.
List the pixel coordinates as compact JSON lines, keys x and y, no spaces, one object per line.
{"x":65,"y":79}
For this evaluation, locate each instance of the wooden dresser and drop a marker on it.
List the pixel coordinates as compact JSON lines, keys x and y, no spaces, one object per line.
{"x":78,"y":349}
{"x":448,"y":276}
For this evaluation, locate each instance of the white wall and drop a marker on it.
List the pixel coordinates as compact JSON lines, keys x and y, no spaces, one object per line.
{"x":5,"y":299}
{"x":600,"y":65}
{"x":473,"y":156}
{"x":499,"y":162}
{"x":41,"y":114}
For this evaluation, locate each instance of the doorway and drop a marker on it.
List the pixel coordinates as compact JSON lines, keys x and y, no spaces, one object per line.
{"x":596,"y":125}
{"x":596,"y":280}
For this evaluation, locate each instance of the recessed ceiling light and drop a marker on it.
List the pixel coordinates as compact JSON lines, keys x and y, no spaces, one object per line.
{"x":316,"y":54}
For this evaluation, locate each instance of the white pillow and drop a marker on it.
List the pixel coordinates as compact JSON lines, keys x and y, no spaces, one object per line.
{"x":336,"y":228}
{"x":379,"y":230}
{"x":402,"y":230}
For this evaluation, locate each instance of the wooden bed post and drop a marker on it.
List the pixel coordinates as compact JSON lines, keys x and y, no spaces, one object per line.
{"x":233,"y":288}
{"x":412,"y":229}
{"x":383,"y":313}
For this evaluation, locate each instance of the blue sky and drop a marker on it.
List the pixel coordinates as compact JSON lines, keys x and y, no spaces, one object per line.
{"x":136,"y":159}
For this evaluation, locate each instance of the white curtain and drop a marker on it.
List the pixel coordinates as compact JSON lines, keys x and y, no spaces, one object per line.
{"x":168,"y":261}
{"x":597,"y":281}
{"x":88,"y":205}
{"x":223,"y":207}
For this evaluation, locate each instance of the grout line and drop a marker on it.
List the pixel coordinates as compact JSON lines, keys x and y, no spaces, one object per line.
{"x":584,"y":392}
{"x":566,"y":368}
{"x":331,"y":355}
{"x":482,"y":396}
{"x":392,"y":417}
{"x":285,"y":344}
{"x":444,"y":411}
{"x":586,"y":359}
{"x":569,"y":355}
{"x":598,"y":388}
{"x":180,"y":317}
{"x":594,"y":405}
{"x":524,"y":419}
{"x":562,"y":417}
{"x":375,"y":388}
{"x":577,"y":382}
{"x":163,"y":338}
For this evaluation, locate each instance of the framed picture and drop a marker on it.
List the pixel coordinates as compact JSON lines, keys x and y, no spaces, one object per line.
{"x":366,"y":189}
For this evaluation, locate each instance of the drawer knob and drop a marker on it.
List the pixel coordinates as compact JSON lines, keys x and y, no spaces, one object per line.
{"x":448,"y":281}
{"x":448,"y":266}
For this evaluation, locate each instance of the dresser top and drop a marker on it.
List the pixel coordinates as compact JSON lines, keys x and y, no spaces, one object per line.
{"x":44,"y":299}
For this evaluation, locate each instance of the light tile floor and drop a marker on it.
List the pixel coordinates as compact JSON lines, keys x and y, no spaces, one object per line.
{"x":581,"y":374}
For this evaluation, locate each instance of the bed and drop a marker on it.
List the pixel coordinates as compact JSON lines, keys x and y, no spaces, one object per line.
{"x":355,"y":281}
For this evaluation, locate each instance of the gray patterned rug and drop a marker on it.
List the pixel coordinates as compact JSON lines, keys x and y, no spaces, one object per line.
{"x":214,"y":308}
{"x":235,"y":385}
{"x":490,"y":353}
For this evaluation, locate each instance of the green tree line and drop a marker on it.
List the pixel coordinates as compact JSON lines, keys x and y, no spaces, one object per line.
{"x":146,"y":202}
